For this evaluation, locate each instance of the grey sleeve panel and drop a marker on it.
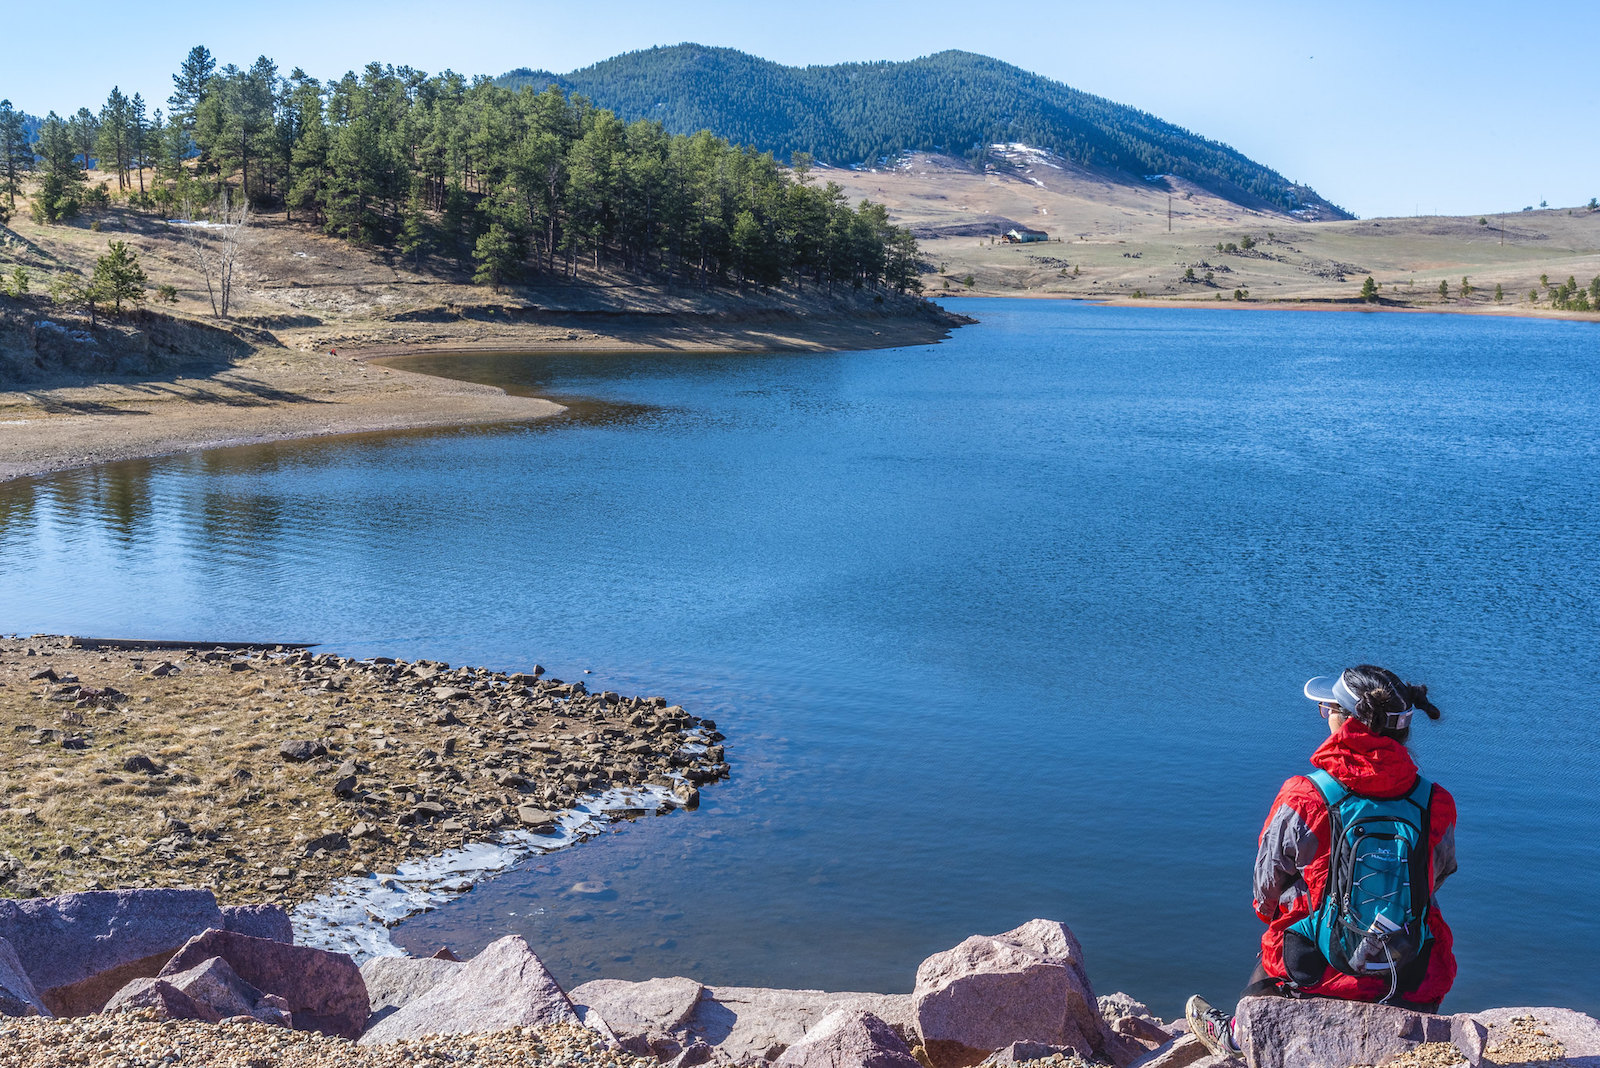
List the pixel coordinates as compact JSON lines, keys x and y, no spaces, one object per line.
{"x":1444,"y":857}
{"x":1288,"y":847}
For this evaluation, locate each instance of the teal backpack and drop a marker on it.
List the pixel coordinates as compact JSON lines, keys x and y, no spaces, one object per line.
{"x":1373,"y":918}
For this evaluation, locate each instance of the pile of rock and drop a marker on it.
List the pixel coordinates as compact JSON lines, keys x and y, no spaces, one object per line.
{"x":1002,"y":1000}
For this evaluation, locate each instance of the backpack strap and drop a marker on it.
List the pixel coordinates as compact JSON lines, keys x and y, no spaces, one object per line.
{"x":1421,"y":795}
{"x":1331,"y":789}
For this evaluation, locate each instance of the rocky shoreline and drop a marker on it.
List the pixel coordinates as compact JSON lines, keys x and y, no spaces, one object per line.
{"x":272,"y":773}
{"x":146,"y":978}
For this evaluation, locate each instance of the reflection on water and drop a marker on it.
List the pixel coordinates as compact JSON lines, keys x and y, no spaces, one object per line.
{"x":1010,"y":626}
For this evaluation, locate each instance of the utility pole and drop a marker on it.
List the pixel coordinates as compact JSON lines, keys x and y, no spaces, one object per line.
{"x":1169,"y":213}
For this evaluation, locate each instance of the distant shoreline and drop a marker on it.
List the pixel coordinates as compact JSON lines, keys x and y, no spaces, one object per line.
{"x":1291,"y":305}
{"x":314,"y":390}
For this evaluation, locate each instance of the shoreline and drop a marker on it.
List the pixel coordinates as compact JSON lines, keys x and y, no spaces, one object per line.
{"x":299,"y":392}
{"x":1310,"y":305}
{"x":311,"y":780}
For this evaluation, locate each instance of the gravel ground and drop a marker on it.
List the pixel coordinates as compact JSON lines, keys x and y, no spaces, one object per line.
{"x":135,"y":1040}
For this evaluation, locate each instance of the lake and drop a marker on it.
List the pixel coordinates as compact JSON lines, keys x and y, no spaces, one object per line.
{"x":1010,"y":626}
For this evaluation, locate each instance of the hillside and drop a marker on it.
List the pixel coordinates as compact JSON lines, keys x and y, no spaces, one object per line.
{"x":1111,"y":240}
{"x":956,"y":103}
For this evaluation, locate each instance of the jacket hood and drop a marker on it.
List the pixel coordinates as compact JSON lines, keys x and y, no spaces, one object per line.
{"x":1365,"y":762}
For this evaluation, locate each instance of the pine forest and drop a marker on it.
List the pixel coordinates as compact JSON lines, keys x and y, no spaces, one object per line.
{"x":513,"y":184}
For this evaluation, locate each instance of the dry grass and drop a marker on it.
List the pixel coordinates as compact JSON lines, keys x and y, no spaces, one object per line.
{"x":1115,"y":235}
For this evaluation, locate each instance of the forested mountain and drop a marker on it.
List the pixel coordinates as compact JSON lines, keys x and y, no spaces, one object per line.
{"x":511,"y":182}
{"x":952,"y":102}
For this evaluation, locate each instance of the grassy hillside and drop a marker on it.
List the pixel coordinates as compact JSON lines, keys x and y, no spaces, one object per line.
{"x":954,"y":102}
{"x":1111,"y":240}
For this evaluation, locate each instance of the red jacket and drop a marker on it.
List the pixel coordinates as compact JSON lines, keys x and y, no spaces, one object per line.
{"x":1292,"y":858}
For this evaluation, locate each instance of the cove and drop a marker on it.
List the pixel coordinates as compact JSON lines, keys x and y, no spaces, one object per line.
{"x":1010,"y":626}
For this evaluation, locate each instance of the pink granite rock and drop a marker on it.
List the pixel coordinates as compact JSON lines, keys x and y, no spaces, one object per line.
{"x":504,"y":986}
{"x":1326,"y":1033}
{"x":1186,"y":1051}
{"x":655,"y":1006}
{"x":395,"y":982}
{"x":324,"y":991}
{"x":849,"y":1038}
{"x":18,"y":997}
{"x":168,"y":1001}
{"x":1578,"y":1034}
{"x":258,"y":921}
{"x":992,"y":990}
{"x":79,"y":949}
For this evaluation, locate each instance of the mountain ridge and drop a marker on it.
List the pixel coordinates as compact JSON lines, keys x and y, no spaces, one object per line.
{"x":953,"y":102}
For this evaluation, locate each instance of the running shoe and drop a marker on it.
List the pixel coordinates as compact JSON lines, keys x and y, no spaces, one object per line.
{"x":1213,"y":1027}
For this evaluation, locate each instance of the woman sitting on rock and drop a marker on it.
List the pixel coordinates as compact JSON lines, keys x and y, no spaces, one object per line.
{"x":1348,"y":863}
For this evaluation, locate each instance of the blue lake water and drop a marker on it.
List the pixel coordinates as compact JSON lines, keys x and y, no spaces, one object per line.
{"x":1010,"y":626}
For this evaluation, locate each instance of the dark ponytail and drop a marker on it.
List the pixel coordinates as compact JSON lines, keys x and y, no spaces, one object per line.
{"x":1380,"y":693}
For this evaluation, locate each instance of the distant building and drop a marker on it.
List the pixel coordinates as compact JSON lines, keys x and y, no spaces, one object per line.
{"x":1021,"y":235}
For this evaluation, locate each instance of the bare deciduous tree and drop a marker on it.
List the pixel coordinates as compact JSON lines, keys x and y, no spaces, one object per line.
{"x":216,"y":247}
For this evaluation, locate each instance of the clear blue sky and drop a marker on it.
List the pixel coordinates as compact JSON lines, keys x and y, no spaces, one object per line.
{"x":1385,"y":108}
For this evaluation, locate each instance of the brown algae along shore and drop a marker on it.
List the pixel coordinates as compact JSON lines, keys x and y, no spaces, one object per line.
{"x":268,"y":773}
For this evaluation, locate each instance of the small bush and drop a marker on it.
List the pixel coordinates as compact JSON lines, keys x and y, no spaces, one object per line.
{"x":16,"y":283}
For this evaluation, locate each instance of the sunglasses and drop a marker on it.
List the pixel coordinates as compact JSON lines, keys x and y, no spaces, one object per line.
{"x":1328,"y":708}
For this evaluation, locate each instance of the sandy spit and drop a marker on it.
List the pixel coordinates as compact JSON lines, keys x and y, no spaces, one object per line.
{"x":311,"y":388}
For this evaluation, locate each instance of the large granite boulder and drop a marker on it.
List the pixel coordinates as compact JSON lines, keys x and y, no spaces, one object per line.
{"x":18,"y":997}
{"x":323,"y":991}
{"x":648,"y":1018}
{"x":742,"y":1023}
{"x":1279,"y":1032}
{"x":395,"y":982}
{"x":258,"y":921}
{"x":992,"y":990}
{"x":849,"y":1038}
{"x":666,"y":1018}
{"x":80,"y":949}
{"x":504,"y":986}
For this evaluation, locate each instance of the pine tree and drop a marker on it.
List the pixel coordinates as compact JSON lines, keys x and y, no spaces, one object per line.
{"x":496,"y":255}
{"x":85,"y":133}
{"x":61,"y":179}
{"x":139,"y":138}
{"x":118,"y":276}
{"x":189,"y":88}
{"x":113,"y":136}
{"x":1369,"y":290}
{"x":16,"y":159}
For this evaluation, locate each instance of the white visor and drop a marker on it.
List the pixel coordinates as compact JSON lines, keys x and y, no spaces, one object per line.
{"x":1332,"y":690}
